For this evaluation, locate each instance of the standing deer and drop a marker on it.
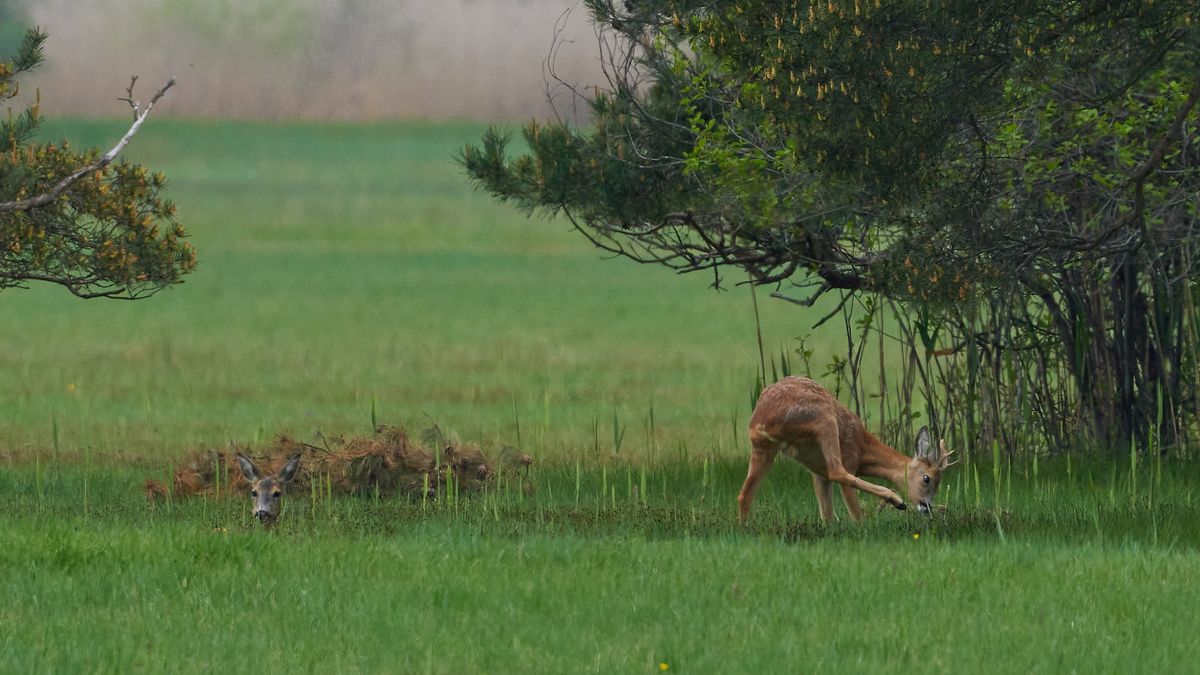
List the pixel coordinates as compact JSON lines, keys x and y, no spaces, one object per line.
{"x":267,"y":491}
{"x":801,"y":418}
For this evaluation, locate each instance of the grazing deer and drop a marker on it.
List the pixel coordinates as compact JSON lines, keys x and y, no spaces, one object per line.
{"x":807,"y":423}
{"x":267,"y":491}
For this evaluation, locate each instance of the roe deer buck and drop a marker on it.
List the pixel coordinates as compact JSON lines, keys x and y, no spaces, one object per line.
{"x":267,"y":491}
{"x":807,"y":423}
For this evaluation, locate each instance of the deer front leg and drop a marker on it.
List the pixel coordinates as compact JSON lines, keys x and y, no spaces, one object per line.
{"x":836,"y":472}
{"x":845,"y":478}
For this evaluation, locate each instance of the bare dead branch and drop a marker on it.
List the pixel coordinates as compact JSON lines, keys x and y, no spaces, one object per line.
{"x":128,"y":98}
{"x":104,"y":160}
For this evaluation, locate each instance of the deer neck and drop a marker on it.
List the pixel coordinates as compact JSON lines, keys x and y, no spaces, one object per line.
{"x":880,"y":460}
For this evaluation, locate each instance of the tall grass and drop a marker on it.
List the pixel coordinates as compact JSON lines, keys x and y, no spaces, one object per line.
{"x":1094,"y":502}
{"x":579,"y":574}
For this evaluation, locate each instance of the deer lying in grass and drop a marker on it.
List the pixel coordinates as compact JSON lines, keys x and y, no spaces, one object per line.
{"x":387,"y":463}
{"x":267,"y":490}
{"x":803,"y":420}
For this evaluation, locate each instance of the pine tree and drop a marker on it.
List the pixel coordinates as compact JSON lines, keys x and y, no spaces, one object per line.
{"x":87,"y":221}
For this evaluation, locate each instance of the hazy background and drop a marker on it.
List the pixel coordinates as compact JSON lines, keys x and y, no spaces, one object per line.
{"x":309,"y":59}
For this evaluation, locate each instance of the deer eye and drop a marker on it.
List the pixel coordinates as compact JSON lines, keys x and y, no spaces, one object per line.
{"x":276,"y":494}
{"x":925,"y":479}
{"x":254,"y":493}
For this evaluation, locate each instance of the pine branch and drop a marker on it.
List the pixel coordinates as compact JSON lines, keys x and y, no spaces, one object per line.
{"x":30,"y":54}
{"x":103,"y":161}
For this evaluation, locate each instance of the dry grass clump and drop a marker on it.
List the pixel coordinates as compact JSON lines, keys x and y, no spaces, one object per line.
{"x":388,"y":463}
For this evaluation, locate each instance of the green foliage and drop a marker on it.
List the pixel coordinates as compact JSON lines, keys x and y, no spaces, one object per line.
{"x":878,"y":128}
{"x":15,"y":132}
{"x":601,"y":175}
{"x":1015,"y":170}
{"x":110,"y":234}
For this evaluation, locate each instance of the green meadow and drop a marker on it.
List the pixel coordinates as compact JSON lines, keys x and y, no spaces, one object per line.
{"x":350,"y":274}
{"x":345,"y":267}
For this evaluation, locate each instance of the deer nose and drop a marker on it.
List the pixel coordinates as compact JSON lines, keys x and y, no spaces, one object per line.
{"x":262,"y":515}
{"x":923,"y":507}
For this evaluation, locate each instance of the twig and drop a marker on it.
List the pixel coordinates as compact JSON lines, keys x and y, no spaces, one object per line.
{"x":129,"y":97}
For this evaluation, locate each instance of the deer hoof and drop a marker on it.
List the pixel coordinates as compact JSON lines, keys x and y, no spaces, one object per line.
{"x":901,"y":506}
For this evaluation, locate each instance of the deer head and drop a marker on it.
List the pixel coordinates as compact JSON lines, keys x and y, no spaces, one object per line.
{"x":924,"y":472}
{"x":267,"y":491}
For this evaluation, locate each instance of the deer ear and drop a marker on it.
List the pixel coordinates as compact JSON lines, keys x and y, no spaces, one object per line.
{"x":249,"y":471}
{"x":288,"y":473}
{"x":923,"y":443}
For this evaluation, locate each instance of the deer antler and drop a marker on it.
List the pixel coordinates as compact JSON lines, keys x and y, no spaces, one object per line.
{"x":944,"y":457}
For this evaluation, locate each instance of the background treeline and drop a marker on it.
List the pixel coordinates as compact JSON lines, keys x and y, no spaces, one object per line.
{"x":307,"y":59}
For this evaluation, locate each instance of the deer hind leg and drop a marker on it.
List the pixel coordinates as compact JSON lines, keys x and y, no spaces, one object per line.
{"x":832,"y":451}
{"x":762,"y":456}
{"x":824,"y":497}
{"x":850,"y":496}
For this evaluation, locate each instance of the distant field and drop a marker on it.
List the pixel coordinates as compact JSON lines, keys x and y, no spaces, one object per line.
{"x":346,"y":266}
{"x":347,"y":271}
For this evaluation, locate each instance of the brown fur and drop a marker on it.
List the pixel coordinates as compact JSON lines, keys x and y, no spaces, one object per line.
{"x":804,"y":421}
